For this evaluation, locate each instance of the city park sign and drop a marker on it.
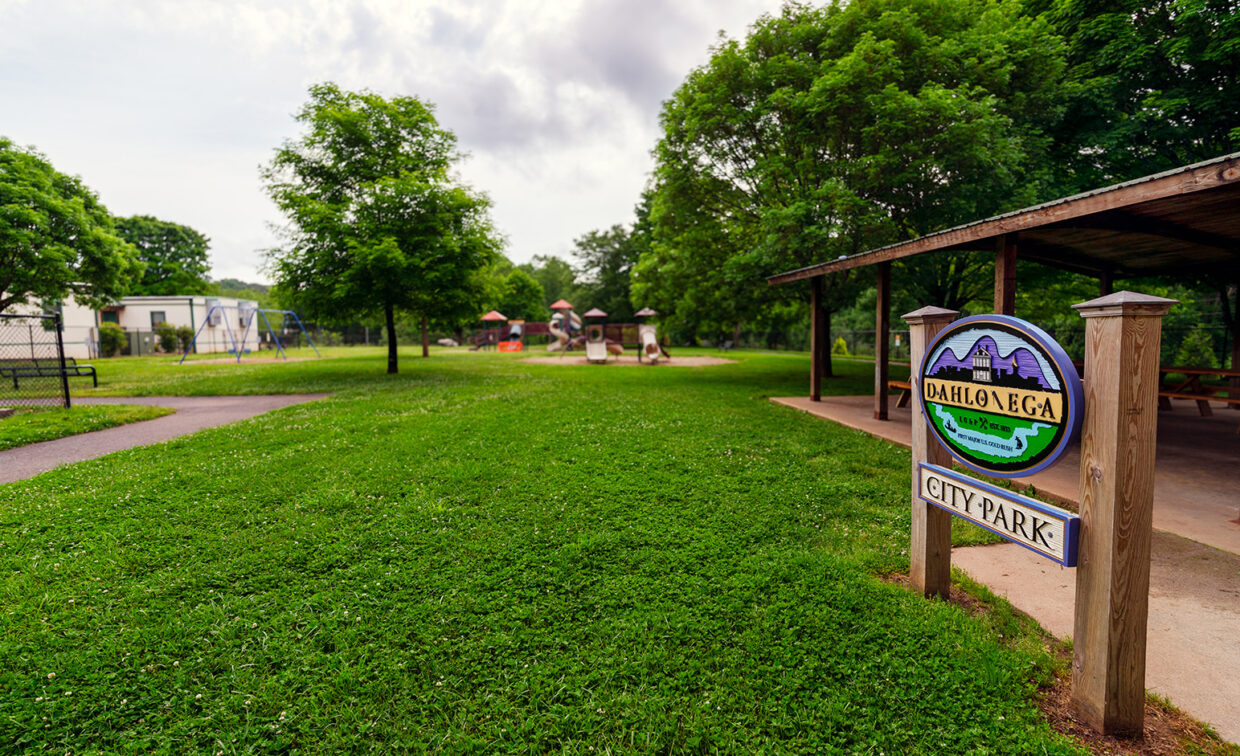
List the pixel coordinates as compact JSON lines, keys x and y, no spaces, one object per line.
{"x":1000,"y":397}
{"x":1005,"y":400}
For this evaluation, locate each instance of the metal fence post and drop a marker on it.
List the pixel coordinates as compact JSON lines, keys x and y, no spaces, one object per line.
{"x":60,"y":353}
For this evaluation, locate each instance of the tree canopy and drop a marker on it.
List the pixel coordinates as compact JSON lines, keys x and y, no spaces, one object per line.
{"x":556,"y":277}
{"x":175,"y":256}
{"x":606,"y":259}
{"x":521,"y":297}
{"x":56,"y":239}
{"x":377,"y":222}
{"x":833,"y":130}
{"x":1153,"y":85}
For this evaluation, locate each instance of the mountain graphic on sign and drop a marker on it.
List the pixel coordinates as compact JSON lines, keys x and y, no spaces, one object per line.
{"x":1017,"y":368}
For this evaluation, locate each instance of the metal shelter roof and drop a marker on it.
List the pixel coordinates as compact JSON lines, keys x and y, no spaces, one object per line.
{"x":562,"y":304}
{"x":1185,"y":220}
{"x":493,"y":315}
{"x":594,"y":312}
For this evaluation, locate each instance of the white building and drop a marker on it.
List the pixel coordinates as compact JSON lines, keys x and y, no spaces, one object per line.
{"x":224,"y":327}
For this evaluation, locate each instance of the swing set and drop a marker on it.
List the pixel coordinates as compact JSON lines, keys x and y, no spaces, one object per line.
{"x":215,"y":316}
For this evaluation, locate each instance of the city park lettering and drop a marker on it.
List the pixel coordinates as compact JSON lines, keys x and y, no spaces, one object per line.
{"x":1022,"y":403}
{"x":977,"y":506}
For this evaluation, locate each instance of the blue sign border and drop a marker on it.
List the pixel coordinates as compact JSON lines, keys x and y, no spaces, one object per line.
{"x":1071,"y":522}
{"x":1075,"y":393}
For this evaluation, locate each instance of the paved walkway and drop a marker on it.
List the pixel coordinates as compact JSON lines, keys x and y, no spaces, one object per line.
{"x":193,"y":413}
{"x":1194,"y":610}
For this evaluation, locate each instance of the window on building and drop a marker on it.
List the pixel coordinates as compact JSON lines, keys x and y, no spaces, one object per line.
{"x":110,"y":316}
{"x":157,"y":317}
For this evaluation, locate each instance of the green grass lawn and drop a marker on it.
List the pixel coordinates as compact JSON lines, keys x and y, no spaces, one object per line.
{"x":482,"y":555}
{"x":32,"y":426}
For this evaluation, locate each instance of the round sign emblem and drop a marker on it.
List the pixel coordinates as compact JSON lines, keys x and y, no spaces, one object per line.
{"x":1001,"y":395}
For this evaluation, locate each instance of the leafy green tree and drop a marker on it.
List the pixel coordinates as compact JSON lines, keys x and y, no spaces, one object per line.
{"x":606,"y":262}
{"x":376,"y":221}
{"x":555,"y":276}
{"x":56,"y":239}
{"x":1154,"y":86}
{"x":1196,"y":350}
{"x":522,"y":297}
{"x":266,"y":296}
{"x":175,"y":256}
{"x":833,"y":130}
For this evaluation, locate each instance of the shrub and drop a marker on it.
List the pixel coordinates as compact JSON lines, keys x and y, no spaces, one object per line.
{"x":112,"y":339}
{"x":840,"y":347}
{"x":167,"y":337}
{"x":1197,"y":350}
{"x":185,"y":336}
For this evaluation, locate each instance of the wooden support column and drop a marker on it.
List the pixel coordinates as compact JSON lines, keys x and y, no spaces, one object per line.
{"x":1005,"y":275}
{"x":930,"y":546}
{"x":1235,"y":343}
{"x":817,"y":340}
{"x":882,"y":335}
{"x":1122,"y":337}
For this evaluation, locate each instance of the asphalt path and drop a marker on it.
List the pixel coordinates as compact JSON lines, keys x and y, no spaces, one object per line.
{"x":193,"y":413}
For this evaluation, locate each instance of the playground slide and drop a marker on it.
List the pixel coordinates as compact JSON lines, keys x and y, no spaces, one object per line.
{"x":650,"y":343}
{"x":560,"y":335}
{"x":596,"y":351}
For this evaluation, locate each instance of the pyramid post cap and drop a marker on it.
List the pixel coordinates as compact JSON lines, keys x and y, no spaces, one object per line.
{"x":929,"y":314}
{"x":1125,"y":303}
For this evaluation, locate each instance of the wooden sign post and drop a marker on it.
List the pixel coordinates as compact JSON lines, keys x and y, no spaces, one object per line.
{"x":1122,"y":341}
{"x":930,"y":552}
{"x":999,"y":396}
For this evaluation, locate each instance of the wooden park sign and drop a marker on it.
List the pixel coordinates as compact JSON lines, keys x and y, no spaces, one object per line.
{"x":1001,"y":395}
{"x":1005,"y":400}
{"x":1001,"y":398}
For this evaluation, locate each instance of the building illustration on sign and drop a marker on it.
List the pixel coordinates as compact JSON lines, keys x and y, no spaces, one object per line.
{"x":1000,"y":395}
{"x":981,"y":366}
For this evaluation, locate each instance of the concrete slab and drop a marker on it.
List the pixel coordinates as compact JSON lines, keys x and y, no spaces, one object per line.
{"x":1194,"y":617}
{"x":193,"y":413}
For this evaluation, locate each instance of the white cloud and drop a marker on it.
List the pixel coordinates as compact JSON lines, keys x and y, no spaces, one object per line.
{"x":168,"y":107}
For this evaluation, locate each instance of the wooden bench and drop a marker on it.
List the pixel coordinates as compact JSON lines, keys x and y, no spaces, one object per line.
{"x":906,"y":391}
{"x":43,"y":368}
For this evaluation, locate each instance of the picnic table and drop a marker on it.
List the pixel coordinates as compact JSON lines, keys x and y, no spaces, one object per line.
{"x":1191,"y":387}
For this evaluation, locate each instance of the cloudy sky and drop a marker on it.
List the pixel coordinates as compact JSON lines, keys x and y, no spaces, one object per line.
{"x":168,"y":107}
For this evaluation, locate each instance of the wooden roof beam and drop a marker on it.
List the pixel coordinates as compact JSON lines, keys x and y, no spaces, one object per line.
{"x":1187,"y":180}
{"x":1125,"y":222}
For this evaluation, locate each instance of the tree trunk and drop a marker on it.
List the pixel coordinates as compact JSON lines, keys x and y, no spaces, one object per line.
{"x":736,"y":334}
{"x":390,"y":317}
{"x":827,"y":371}
{"x":426,"y":345}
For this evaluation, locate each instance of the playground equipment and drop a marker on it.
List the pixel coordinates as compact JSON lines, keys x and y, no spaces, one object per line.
{"x":247,"y":316}
{"x":596,"y":342}
{"x":514,"y":341}
{"x":647,"y":335}
{"x":564,"y":326}
{"x":489,"y":336}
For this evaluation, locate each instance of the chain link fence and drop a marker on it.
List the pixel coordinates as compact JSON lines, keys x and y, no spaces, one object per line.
{"x":33,"y":370}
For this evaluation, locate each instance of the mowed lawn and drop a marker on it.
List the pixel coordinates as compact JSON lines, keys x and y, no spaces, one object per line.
{"x":482,"y":555}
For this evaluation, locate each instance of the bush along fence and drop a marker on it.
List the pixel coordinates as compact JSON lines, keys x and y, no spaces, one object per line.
{"x":33,"y":368}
